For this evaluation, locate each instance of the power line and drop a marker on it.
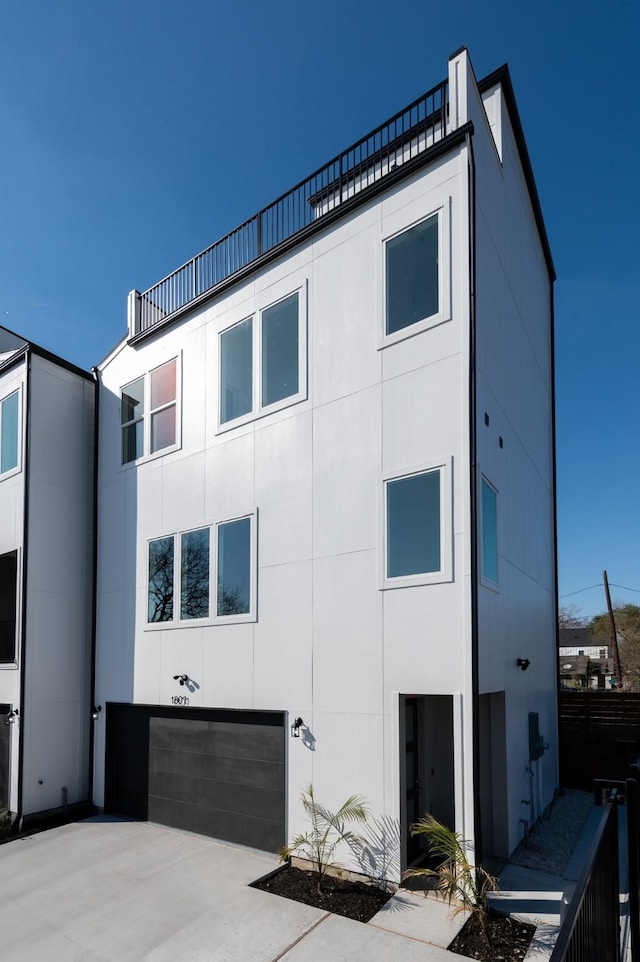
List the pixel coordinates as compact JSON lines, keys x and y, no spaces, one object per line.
{"x":600,"y":585}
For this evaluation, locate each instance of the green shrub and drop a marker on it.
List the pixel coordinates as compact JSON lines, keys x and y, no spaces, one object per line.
{"x":326,"y":831}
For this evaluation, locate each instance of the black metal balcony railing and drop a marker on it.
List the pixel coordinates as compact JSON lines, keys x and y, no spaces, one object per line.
{"x":7,"y":642}
{"x":403,"y":137}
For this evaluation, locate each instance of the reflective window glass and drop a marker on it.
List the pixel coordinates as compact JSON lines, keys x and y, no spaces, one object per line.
{"x":9,"y":413}
{"x":412,"y":276}
{"x":194,"y":574}
{"x":234,"y":567}
{"x":489,"y":532}
{"x":280,"y":377}
{"x":236,"y":360}
{"x":160,"y":597}
{"x":413,"y":525}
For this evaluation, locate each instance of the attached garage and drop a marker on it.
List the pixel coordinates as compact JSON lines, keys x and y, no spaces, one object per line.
{"x":216,"y":772}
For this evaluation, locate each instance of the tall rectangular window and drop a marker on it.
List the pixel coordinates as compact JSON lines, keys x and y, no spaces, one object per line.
{"x":412,"y":275}
{"x":413,"y":525}
{"x":9,"y":422}
{"x":8,"y":606}
{"x":234,"y":567}
{"x":163,"y":406}
{"x":489,"y":532}
{"x":236,"y":371}
{"x":160,"y":596}
{"x":194,"y":574}
{"x":132,"y":420}
{"x":280,"y":351}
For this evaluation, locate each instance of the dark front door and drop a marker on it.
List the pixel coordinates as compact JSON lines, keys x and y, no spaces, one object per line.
{"x":5,"y":742}
{"x":215,"y":772}
{"x":412,"y":756}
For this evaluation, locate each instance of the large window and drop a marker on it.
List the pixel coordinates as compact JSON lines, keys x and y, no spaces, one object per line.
{"x":489,"y":535}
{"x":417,"y":538}
{"x":262,"y":361}
{"x":8,"y":606}
{"x":9,"y":432}
{"x":412,"y":275}
{"x":149,"y":413}
{"x":186,"y":585}
{"x":417,"y":273}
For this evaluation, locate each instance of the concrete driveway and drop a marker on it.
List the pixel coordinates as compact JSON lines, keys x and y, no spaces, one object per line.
{"x":117,"y":890}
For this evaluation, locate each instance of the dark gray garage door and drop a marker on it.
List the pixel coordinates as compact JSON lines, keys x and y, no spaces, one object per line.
{"x":219,"y":773}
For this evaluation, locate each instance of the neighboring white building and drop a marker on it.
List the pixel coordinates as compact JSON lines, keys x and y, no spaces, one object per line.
{"x":326,"y":493}
{"x":46,"y":578}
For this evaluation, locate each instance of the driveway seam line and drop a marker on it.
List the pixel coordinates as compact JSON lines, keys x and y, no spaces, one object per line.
{"x":301,"y":937}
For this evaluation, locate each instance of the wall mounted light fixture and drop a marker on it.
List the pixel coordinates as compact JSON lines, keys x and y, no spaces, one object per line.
{"x":95,"y":712}
{"x":12,"y":716}
{"x":182,"y":679}
{"x":523,"y":663}
{"x":295,"y":728}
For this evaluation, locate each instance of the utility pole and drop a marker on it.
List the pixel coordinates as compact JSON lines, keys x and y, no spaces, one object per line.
{"x":614,"y":637}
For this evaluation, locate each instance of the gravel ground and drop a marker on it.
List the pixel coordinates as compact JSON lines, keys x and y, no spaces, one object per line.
{"x":552,"y":839}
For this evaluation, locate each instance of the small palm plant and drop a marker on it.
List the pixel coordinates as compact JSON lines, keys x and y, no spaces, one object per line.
{"x":457,"y":880}
{"x":326,"y":831}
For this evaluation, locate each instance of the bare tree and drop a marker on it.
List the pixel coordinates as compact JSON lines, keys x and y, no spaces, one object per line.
{"x":569,"y":617}
{"x":627,"y":619}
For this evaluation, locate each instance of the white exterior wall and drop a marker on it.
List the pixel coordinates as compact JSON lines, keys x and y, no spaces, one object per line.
{"x":328,"y":644}
{"x":12,"y":539}
{"x":56,"y":714}
{"x":514,"y":387}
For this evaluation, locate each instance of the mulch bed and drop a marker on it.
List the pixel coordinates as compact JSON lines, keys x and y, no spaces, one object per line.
{"x":509,"y":940}
{"x":354,"y":900}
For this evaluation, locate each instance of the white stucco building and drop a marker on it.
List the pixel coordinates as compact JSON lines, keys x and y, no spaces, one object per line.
{"x":47,"y":421}
{"x":326,"y":493}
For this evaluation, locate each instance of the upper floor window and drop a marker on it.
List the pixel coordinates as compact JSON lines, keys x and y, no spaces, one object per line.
{"x":489,"y":532}
{"x":417,"y":537}
{"x":204,"y":574}
{"x":263,"y":361}
{"x":417,"y":284}
{"x":9,"y":432}
{"x":8,"y":606}
{"x":149,"y":413}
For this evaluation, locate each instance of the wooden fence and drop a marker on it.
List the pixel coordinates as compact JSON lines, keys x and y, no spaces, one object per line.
{"x":599,"y":736}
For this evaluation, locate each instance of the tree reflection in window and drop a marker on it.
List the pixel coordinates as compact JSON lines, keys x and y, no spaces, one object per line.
{"x":160,"y":603}
{"x":194,"y":574}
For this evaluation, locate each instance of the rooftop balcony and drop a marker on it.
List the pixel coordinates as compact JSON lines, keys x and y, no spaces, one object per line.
{"x":329,"y":192}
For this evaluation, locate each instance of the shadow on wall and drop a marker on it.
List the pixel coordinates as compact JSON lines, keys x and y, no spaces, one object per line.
{"x":377,"y":850}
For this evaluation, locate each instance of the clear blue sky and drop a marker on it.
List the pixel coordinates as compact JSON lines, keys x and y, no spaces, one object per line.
{"x":136,"y":133}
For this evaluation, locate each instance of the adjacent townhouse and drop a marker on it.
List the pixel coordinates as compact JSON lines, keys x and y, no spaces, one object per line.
{"x":47,"y":435}
{"x":326,"y":501}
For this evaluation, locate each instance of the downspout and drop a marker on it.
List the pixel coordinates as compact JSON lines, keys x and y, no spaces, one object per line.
{"x":475,"y":700}
{"x":556,"y":632}
{"x":94,"y":578}
{"x":25,"y":553}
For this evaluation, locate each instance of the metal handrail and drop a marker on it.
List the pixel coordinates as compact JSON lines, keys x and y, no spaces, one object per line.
{"x":408,"y":133}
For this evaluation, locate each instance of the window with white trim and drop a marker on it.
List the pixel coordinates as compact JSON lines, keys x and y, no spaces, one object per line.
{"x":149,"y":420}
{"x":263,"y":361}
{"x":416,"y":546}
{"x":9,"y":433}
{"x":416,"y":270}
{"x":489,"y":532}
{"x":206,"y":574}
{"x":8,"y":607}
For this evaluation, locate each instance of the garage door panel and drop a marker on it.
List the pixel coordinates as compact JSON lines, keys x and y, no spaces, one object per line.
{"x":255,"y":772}
{"x":216,"y":772}
{"x":227,"y":739}
{"x":226,"y":796}
{"x":255,"y":832}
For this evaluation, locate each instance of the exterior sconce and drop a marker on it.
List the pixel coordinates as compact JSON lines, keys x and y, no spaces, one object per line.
{"x":523,"y":663}
{"x":11,"y":717}
{"x":295,"y":728}
{"x":181,"y":679}
{"x":95,"y":712}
